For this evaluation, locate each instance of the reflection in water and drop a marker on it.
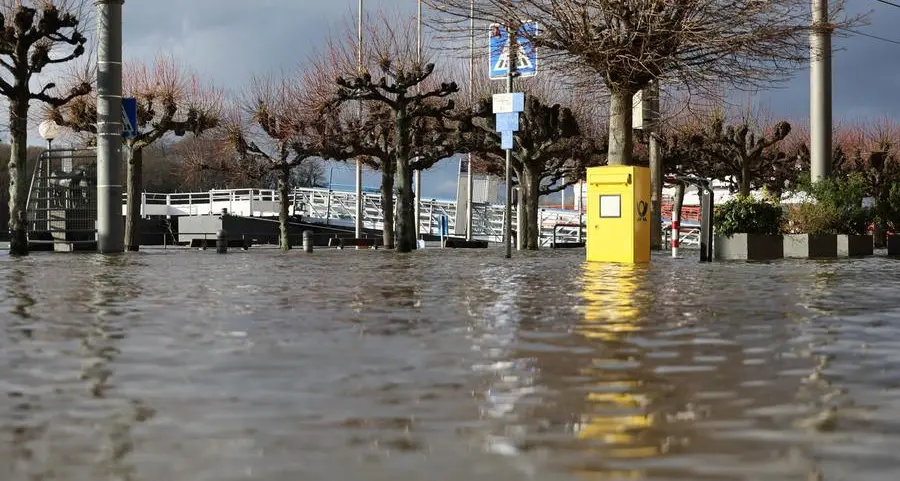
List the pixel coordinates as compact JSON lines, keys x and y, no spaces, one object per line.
{"x":113,"y":290}
{"x":678,"y":371}
{"x":615,"y":416}
{"x":494,"y":335}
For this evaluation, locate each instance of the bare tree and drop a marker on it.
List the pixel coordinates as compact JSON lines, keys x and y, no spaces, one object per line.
{"x":274,"y":129}
{"x":554,"y":146}
{"x":308,"y":174}
{"x":171,"y":101}
{"x":409,"y":113}
{"x":629,"y":43}
{"x":740,"y":153}
{"x":209,"y":162}
{"x":34,"y":34}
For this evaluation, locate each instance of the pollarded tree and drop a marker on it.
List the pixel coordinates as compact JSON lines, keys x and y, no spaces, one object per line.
{"x":274,"y":130}
{"x":371,"y":138}
{"x":740,"y":153}
{"x":551,"y":153}
{"x":629,"y":43}
{"x":171,"y":100}
{"x":406,"y":102}
{"x":34,"y":34}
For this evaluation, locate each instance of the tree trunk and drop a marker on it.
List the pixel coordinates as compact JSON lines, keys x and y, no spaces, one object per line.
{"x":406,"y":237}
{"x":620,"y":141}
{"x":18,"y":126}
{"x":744,"y":181}
{"x":284,"y":199}
{"x":387,"y":203}
{"x":134,"y":185}
{"x":529,"y":195}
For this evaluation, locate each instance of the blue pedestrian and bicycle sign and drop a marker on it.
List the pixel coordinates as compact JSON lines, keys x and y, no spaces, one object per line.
{"x":129,"y":117}
{"x":526,"y":53}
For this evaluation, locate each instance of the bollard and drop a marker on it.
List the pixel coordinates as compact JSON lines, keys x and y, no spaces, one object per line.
{"x":308,"y":241}
{"x":707,"y":209}
{"x":221,"y":242}
{"x":676,"y":218}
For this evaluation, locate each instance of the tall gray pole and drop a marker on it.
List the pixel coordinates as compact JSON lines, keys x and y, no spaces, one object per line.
{"x":110,"y":221}
{"x":359,"y":193}
{"x":469,"y":175}
{"x":512,"y":59}
{"x":820,"y":92}
{"x":417,"y":173}
{"x":656,"y":168}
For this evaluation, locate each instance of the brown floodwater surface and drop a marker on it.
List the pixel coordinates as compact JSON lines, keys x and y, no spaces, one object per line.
{"x":446,"y":365}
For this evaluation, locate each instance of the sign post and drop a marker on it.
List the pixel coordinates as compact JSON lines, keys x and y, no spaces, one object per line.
{"x":511,"y":55}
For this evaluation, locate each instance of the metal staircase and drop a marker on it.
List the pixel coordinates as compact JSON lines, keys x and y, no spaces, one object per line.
{"x":61,"y":209}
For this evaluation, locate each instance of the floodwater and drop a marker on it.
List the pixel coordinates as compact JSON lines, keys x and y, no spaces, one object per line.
{"x":446,"y":365}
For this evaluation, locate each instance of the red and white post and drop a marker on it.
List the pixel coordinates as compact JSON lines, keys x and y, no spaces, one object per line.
{"x":676,"y":218}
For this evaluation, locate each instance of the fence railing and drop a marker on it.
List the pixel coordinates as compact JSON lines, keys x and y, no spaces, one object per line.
{"x":337,"y":208}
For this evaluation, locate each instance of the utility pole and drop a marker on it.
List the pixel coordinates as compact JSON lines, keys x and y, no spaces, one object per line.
{"x":110,"y":221}
{"x":359,"y":193}
{"x":820,"y":92}
{"x":656,"y":167}
{"x":417,"y":174}
{"x":512,"y":43}
{"x":469,"y":175}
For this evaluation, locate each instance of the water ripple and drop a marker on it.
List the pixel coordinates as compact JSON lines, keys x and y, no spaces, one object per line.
{"x":446,"y":364}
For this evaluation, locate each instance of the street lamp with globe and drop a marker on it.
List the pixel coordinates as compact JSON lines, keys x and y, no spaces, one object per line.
{"x":49,"y":130}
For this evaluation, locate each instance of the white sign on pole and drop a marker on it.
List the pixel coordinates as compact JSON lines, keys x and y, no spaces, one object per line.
{"x":509,"y":103}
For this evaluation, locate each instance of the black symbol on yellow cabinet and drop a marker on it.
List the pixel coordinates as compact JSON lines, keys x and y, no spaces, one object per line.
{"x":642,"y":208}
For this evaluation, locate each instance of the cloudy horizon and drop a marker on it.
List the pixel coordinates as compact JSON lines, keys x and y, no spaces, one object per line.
{"x":229,"y":41}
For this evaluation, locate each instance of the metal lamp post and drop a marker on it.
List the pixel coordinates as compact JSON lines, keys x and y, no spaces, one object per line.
{"x":469,"y":175}
{"x":359,"y":193}
{"x":820,"y":92}
{"x":48,"y":131}
{"x":110,"y":223}
{"x":418,"y":173}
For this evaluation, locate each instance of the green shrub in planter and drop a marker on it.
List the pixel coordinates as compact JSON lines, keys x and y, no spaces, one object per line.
{"x":746,"y":215}
{"x":810,"y":218}
{"x":836,"y":207}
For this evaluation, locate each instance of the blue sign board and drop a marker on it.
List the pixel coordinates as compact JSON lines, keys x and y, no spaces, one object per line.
{"x":526,"y":53}
{"x":506,"y":140}
{"x":507,"y":121}
{"x":129,"y":117}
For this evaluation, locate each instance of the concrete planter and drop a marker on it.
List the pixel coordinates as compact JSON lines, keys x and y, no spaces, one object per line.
{"x":749,"y":247}
{"x":856,"y":245}
{"x":809,"y":246}
{"x":893,"y":245}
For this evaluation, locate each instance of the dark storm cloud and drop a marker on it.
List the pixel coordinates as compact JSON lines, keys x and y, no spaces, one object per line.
{"x":228,"y":41}
{"x":866,"y":73}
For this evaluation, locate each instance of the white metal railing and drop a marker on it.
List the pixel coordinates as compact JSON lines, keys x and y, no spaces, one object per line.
{"x":689,"y":236}
{"x":338,"y":208}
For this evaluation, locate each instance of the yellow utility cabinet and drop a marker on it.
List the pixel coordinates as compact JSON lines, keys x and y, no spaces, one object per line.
{"x":618,"y":214}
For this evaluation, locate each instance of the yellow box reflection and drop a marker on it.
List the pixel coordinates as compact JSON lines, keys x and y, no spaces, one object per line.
{"x":612,"y":312}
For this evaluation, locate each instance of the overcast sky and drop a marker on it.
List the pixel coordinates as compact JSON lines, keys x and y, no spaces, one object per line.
{"x":230,"y":40}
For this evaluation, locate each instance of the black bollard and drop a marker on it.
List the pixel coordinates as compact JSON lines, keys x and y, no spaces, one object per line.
{"x":308,"y":241}
{"x":221,"y":242}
